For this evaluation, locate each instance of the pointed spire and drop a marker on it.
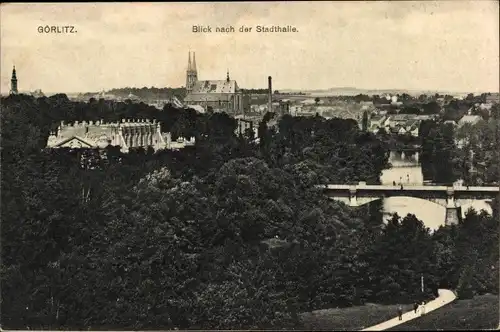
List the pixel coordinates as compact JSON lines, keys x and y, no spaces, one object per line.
{"x":194,"y":61}
{"x":227,"y":78}
{"x":189,"y":61}
{"x":14,"y":72}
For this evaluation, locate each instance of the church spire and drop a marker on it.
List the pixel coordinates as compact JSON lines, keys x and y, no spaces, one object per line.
{"x":13,"y":82}
{"x":189,"y":61}
{"x":194,"y":61}
{"x":227,"y":77}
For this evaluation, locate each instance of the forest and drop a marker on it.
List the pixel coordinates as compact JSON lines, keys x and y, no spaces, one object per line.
{"x":227,"y":234}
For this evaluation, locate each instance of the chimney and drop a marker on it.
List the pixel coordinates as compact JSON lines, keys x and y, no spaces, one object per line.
{"x":270,"y":87}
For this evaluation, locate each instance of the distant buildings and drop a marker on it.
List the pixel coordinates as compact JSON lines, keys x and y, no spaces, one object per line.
{"x":243,"y":125}
{"x":219,"y":95}
{"x":400,"y":124}
{"x":38,"y":94}
{"x":127,"y":134}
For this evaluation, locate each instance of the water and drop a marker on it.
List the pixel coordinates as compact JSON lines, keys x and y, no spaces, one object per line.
{"x":406,"y":169}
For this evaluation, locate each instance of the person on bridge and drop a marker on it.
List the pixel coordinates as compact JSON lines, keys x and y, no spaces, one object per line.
{"x":400,"y":313}
{"x":394,"y":183}
{"x":401,"y":186}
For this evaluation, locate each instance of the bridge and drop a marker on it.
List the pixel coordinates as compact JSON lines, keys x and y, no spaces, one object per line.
{"x":450,"y":197}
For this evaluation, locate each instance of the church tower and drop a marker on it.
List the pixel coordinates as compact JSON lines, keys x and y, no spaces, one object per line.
{"x":191,"y":73}
{"x":13,"y":82}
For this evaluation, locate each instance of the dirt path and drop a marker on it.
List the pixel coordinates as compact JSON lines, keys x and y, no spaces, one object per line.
{"x":445,"y":296}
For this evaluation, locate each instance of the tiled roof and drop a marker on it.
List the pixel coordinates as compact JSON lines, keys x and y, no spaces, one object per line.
{"x":215,"y":86}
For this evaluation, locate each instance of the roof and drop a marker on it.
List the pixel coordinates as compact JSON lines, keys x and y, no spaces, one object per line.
{"x":377,"y":118}
{"x":412,"y":123}
{"x":78,"y":142}
{"x":215,"y":86}
{"x":202,"y":97}
{"x":469,"y":119}
{"x":197,"y":108}
{"x":400,"y":117}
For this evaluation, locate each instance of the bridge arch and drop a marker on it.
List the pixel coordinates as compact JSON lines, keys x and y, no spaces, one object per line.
{"x":441,"y":202}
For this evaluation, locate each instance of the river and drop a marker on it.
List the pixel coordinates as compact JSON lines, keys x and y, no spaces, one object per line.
{"x":407,"y":169}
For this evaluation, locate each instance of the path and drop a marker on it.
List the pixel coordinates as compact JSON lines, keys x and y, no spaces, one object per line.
{"x":445,"y":297}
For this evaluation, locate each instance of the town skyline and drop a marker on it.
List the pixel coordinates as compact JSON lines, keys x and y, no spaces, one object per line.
{"x":412,"y":46}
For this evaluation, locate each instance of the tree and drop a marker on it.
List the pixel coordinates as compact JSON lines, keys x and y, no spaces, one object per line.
{"x":365,"y":121}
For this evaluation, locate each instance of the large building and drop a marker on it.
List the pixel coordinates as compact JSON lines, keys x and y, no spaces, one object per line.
{"x":13,"y":82}
{"x":127,"y":134}
{"x":219,"y":95}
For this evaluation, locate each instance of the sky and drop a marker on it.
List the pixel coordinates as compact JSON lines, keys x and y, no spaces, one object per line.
{"x":439,"y":46}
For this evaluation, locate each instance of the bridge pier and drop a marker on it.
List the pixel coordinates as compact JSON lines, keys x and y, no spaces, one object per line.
{"x":353,"y":199}
{"x":452,"y":209}
{"x":452,"y":216}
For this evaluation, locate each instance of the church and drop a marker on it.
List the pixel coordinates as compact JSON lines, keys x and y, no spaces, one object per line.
{"x":219,"y":95}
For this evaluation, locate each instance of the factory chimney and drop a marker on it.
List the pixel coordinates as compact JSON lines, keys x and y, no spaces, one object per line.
{"x":270,"y":88}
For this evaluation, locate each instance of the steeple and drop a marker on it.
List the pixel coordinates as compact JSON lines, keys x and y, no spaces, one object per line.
{"x":13,"y":82}
{"x":191,"y":74}
{"x":227,"y":78}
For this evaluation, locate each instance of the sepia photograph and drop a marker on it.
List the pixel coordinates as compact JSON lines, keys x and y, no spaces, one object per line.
{"x":276,"y":165}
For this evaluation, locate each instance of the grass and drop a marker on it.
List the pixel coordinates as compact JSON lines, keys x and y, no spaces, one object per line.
{"x":481,"y":312}
{"x":352,"y":318}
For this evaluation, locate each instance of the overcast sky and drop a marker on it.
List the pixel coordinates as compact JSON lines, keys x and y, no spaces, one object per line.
{"x":446,"y":46}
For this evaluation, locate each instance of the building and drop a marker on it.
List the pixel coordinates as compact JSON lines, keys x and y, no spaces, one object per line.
{"x":243,"y":125}
{"x":127,"y":134}
{"x":38,"y":93}
{"x":472,"y":119}
{"x":13,"y":82}
{"x":379,"y":121}
{"x":219,"y":95}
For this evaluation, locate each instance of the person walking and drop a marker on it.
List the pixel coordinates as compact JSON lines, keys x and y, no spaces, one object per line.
{"x":400,"y":313}
{"x":422,"y":309}
{"x":415,"y":306}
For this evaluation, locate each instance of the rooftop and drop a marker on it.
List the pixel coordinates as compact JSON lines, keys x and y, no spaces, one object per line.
{"x":215,"y":86}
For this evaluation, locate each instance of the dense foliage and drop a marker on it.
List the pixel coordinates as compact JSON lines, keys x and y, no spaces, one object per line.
{"x":150,"y":93}
{"x":230,"y":233}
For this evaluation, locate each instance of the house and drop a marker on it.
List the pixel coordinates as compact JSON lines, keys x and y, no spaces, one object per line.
{"x":424,"y":117}
{"x":472,"y":119}
{"x":377,"y":121}
{"x":411,"y":124}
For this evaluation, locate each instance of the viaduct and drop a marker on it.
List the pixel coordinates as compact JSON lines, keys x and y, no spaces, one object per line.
{"x":447,"y":196}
